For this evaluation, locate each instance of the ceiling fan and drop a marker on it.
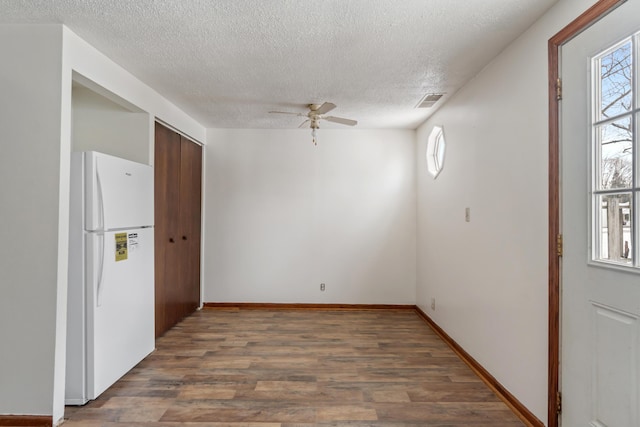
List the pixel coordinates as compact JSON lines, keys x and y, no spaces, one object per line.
{"x":316,"y":113}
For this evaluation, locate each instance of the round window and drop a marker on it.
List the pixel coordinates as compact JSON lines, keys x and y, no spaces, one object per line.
{"x":435,"y":151}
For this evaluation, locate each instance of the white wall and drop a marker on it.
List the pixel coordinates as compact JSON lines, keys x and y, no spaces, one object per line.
{"x":489,"y":276}
{"x":31,"y":218}
{"x":36,"y":117}
{"x":94,"y":67}
{"x":102,"y":125}
{"x":284,"y":216}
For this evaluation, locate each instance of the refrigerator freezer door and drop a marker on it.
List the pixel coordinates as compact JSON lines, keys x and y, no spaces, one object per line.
{"x":120,"y":305}
{"x":118,"y":192}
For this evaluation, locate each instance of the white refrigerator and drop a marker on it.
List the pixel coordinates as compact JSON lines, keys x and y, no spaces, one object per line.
{"x":110,"y":304}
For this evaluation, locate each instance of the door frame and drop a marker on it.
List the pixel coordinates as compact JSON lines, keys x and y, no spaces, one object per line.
{"x":581,"y":23}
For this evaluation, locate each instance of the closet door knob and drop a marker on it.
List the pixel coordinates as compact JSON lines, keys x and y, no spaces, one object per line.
{"x":184,"y":237}
{"x":171,"y":240}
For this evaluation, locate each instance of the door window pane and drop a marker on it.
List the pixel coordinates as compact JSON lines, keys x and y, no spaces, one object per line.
{"x":615,"y":154}
{"x":615,"y":81}
{"x":615,"y":164}
{"x":615,"y":227}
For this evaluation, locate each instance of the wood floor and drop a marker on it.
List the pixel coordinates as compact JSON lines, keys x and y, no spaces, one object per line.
{"x":279,"y":368}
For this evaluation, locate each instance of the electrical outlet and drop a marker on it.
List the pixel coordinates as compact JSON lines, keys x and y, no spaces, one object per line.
{"x":433,"y":303}
{"x":322,"y":286}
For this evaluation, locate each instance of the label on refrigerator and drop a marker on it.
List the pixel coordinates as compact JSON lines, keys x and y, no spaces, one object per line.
{"x":121,"y":246}
{"x":133,"y":241}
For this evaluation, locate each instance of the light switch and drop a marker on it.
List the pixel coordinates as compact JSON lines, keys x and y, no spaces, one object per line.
{"x":467,"y":214}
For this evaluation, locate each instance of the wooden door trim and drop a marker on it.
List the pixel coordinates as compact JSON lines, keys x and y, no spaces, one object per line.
{"x":582,"y":22}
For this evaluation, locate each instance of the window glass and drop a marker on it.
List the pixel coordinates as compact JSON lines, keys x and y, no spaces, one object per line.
{"x":615,"y":227}
{"x":616,"y":154}
{"x":435,"y":151}
{"x":615,"y":163}
{"x":615,"y":81}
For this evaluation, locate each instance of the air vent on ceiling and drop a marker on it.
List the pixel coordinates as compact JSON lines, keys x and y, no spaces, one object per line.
{"x":429,"y":100}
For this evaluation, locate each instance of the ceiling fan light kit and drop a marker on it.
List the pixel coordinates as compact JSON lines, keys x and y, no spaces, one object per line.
{"x":316,"y":113}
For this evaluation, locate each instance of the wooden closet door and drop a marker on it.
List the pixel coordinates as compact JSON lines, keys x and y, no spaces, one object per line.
{"x":190,"y":222}
{"x":167,"y":214}
{"x":178,"y":187}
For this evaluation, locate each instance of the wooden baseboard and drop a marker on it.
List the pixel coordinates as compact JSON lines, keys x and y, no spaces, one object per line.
{"x":26,"y":420}
{"x":297,"y":306}
{"x":516,"y":406}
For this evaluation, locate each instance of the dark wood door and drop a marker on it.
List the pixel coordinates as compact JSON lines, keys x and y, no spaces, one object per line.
{"x":190,"y":222}
{"x":178,"y":172}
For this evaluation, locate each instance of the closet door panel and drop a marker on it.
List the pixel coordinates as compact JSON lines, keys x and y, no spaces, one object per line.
{"x":178,"y":187}
{"x":190,"y":222}
{"x":167,"y":213}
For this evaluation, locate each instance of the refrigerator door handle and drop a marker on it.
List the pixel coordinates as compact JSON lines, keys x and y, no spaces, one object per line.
{"x":100,"y":269}
{"x":100,"y":200}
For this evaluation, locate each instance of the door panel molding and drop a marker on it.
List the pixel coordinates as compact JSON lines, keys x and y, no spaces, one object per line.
{"x":582,"y":22}
{"x":614,"y":337}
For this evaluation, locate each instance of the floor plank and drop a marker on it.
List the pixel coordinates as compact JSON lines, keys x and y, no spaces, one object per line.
{"x":298,"y":368}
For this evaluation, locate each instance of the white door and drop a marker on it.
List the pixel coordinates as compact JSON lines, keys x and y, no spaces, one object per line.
{"x":600,"y":311}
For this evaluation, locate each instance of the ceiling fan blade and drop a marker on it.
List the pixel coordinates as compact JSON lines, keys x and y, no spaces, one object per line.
{"x":325,"y":108}
{"x":340,"y":120}
{"x":304,"y":124}
{"x":288,"y":112}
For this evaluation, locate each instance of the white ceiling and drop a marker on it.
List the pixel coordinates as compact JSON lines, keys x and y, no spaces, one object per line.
{"x":228,"y":62}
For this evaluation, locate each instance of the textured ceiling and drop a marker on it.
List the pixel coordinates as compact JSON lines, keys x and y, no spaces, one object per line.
{"x":228,"y":62}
